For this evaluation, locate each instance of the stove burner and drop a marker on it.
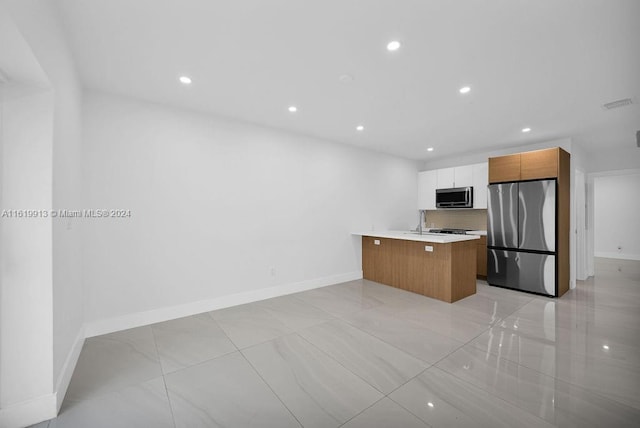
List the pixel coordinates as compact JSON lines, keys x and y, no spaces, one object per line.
{"x":450,"y":231}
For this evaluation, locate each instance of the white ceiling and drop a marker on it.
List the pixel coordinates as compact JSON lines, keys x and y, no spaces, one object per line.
{"x":544,"y":64}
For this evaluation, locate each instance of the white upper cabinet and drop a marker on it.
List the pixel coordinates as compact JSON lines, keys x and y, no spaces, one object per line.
{"x":446,"y":178}
{"x":460,"y":176}
{"x":476,"y":175}
{"x":463,"y":176}
{"x":480,"y":183}
{"x":427,"y":184}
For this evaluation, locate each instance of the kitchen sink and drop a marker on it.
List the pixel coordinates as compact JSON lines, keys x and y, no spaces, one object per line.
{"x":423,"y":233}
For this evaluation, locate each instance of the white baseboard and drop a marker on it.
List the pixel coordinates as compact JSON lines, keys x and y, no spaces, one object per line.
{"x":110,"y":325}
{"x":620,"y":256}
{"x":47,"y":407}
{"x":29,"y":412}
{"x":64,"y":378}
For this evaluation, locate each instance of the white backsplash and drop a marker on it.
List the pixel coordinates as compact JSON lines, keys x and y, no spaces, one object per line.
{"x":459,"y":219}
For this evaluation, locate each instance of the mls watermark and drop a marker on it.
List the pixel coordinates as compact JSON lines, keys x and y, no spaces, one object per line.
{"x":66,"y":213}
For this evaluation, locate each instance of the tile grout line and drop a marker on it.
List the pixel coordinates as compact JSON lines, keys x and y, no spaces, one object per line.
{"x":497,"y":396}
{"x":238,"y":350}
{"x":394,"y":346}
{"x":336,"y":319}
{"x":361,"y":412}
{"x":164,"y":380}
{"x":339,"y":363}
{"x":223,"y":332}
{"x":528,"y":368}
{"x":475,"y":337}
{"x":429,"y":365}
{"x":471,"y":384}
{"x":572,"y":353}
{"x":268,"y":385}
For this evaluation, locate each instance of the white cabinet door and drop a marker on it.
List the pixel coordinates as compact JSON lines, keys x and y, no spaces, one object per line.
{"x":480,"y":183}
{"x":463,"y":176}
{"x":427,"y":184}
{"x":446,"y":178}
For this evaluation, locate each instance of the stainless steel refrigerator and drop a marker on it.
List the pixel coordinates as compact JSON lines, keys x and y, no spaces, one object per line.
{"x":521,"y":236}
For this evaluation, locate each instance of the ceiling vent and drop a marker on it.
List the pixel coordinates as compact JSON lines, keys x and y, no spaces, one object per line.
{"x":617,"y":104}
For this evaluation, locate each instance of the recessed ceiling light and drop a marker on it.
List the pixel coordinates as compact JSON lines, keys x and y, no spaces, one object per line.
{"x":345,"y":78}
{"x":465,"y":89}
{"x":393,"y":45}
{"x":605,"y":347}
{"x":185,"y":80}
{"x":525,"y":130}
{"x":430,"y":404}
{"x":430,"y":149}
{"x":293,"y":109}
{"x":359,"y":128}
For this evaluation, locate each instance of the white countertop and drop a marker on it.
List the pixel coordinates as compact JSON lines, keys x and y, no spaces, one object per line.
{"x":438,"y":238}
{"x":477,"y":232}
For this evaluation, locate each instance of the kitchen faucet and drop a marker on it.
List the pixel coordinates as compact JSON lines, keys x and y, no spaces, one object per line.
{"x":422,"y":219}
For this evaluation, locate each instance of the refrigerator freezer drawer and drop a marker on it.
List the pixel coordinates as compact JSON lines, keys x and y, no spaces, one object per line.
{"x":522,"y":271}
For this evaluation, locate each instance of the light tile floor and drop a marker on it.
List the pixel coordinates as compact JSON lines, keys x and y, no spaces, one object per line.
{"x":361,"y":354}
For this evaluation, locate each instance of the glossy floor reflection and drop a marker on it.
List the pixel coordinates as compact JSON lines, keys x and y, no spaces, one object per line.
{"x":361,"y":354}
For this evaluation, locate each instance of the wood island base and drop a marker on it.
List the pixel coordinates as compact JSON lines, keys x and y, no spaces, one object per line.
{"x":445,"y":272}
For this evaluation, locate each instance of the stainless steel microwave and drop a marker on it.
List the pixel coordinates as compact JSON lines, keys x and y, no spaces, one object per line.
{"x":457,"y":197}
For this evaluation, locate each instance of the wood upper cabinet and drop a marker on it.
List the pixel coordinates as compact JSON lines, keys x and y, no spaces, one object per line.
{"x":504,"y":168}
{"x":539,"y":164}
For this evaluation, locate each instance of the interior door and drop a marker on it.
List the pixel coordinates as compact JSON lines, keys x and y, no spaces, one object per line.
{"x":581,"y":225}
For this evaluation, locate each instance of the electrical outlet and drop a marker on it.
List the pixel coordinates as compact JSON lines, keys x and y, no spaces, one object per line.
{"x":428,"y":248}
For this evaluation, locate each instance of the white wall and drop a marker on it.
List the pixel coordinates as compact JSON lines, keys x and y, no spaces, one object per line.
{"x":616,"y":208}
{"x":580,"y":255}
{"x":217,"y":204}
{"x":38,"y":22}
{"x":26,"y":345}
{"x":609,"y":159}
{"x":603,"y":163}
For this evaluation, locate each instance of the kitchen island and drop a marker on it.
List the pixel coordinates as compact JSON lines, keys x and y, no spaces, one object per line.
{"x":439,"y":266}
